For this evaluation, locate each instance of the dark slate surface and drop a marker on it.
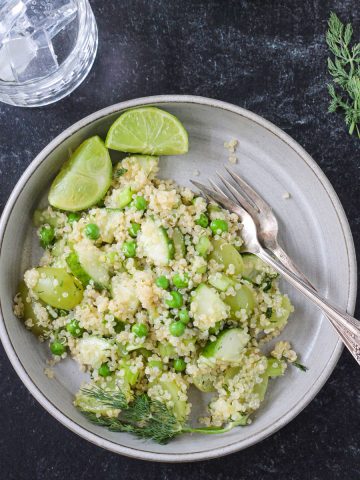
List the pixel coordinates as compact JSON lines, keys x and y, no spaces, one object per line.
{"x":265,"y":55}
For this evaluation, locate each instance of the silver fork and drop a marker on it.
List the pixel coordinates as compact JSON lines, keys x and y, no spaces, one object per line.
{"x":267,"y":229}
{"x":346,"y":325}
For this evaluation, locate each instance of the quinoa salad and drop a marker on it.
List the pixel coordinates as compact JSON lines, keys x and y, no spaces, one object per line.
{"x":146,"y":286}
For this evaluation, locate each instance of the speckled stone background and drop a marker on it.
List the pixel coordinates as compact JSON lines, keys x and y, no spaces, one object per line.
{"x":265,"y":55}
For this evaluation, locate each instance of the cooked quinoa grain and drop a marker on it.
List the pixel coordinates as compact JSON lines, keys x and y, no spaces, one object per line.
{"x":182,"y":271}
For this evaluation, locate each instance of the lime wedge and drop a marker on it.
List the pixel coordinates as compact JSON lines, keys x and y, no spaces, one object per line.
{"x":84,"y":179}
{"x":148,"y":130}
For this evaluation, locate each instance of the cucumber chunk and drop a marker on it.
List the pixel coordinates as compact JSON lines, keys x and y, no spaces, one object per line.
{"x":228,"y":346}
{"x":86,"y":403}
{"x":87,"y":263}
{"x":93,"y":351}
{"x":179,"y":406}
{"x":220,"y":281}
{"x":207,"y":307}
{"x":155,"y":243}
{"x":179,"y":244}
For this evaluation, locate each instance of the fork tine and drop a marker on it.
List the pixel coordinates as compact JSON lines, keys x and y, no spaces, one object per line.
{"x":221,"y":199}
{"x":239,"y":197}
{"x":216,"y":187}
{"x":258,"y":201}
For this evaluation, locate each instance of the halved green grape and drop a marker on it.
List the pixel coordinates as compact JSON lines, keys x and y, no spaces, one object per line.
{"x":84,"y":179}
{"x":279,"y":317}
{"x":244,"y":299}
{"x":148,"y":130}
{"x":58,"y":288}
{"x":226,"y":254}
{"x":29,"y":311}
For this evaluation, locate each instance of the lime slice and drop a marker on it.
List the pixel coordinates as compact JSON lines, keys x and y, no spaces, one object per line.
{"x":84,"y":179}
{"x":148,"y":130}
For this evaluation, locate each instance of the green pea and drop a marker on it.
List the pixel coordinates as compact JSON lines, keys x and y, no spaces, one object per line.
{"x":57,"y":348}
{"x":119,"y":326}
{"x":92,"y":231}
{"x":179,"y":365}
{"x":184,"y":316}
{"x":162,"y":282}
{"x":134,"y":229}
{"x":175,"y":301}
{"x":129,"y":249}
{"x":104,"y":370}
{"x":177,"y":328}
{"x":140,"y":329}
{"x":203,"y":220}
{"x":73,"y":217}
{"x":181,"y":280}
{"x":74,"y":328}
{"x":139,"y":203}
{"x":47,"y":235}
{"x":219,"y":225}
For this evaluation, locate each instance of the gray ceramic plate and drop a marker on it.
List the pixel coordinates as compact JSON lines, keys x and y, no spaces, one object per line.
{"x":314,"y":231}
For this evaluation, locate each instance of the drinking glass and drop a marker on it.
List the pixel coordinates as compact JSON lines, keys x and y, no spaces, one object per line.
{"x":47,"y":48}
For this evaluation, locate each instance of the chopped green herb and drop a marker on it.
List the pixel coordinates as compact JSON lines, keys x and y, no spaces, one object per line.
{"x":300,"y":366}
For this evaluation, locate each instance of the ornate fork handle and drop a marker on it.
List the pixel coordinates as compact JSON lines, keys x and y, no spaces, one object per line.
{"x":347,"y":326}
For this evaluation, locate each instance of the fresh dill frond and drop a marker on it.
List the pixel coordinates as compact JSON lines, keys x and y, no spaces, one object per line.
{"x":144,"y":417}
{"x":113,"y":399}
{"x":345,"y":70}
{"x":300,"y":366}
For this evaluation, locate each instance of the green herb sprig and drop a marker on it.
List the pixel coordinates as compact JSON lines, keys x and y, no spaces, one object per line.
{"x":345,"y":70}
{"x":300,"y":366}
{"x":144,"y":417}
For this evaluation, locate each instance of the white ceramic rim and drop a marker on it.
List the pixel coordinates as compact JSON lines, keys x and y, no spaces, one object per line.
{"x":307,"y":397}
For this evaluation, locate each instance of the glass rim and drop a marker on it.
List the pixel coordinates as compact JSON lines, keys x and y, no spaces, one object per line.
{"x":53,"y":78}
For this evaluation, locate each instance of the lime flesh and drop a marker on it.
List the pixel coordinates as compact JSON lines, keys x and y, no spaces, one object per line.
{"x":84,"y":179}
{"x":148,"y":130}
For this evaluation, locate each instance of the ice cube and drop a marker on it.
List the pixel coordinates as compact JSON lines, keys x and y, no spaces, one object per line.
{"x":44,"y":62}
{"x":51,"y":16}
{"x":10,"y":11}
{"x":16,"y":54}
